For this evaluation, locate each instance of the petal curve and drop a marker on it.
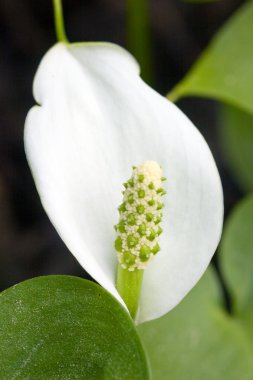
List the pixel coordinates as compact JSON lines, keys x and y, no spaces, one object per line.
{"x":98,"y":118}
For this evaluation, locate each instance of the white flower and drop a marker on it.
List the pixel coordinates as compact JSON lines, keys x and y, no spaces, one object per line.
{"x":96,"y":118}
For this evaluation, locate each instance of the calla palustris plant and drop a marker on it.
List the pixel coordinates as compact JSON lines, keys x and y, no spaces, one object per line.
{"x":94,"y":119}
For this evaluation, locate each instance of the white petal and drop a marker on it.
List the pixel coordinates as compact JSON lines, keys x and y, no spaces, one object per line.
{"x":98,"y":118}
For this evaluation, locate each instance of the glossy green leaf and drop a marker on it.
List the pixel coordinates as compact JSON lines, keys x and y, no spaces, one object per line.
{"x":199,"y":339}
{"x":236,"y":132}
{"x":225,"y":69}
{"x":62,"y":327}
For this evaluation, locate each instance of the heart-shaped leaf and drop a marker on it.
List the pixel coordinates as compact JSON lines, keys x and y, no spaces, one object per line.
{"x":225,"y":70}
{"x":200,"y":339}
{"x":236,"y":132}
{"x":62,"y":327}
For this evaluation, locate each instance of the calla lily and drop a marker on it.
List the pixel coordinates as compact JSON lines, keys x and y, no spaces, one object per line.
{"x":96,"y":118}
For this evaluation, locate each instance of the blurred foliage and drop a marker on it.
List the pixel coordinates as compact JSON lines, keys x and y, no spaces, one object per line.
{"x":225,"y":71}
{"x":62,"y":327}
{"x":200,"y":339}
{"x":236,"y":138}
{"x":237,"y":264}
{"x":200,"y":1}
{"x":138,"y":35}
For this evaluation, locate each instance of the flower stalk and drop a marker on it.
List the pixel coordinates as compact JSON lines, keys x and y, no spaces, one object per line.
{"x":59,"y":21}
{"x":129,"y":287}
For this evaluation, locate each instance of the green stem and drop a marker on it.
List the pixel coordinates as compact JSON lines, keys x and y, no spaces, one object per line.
{"x":129,"y":287}
{"x":59,"y":22}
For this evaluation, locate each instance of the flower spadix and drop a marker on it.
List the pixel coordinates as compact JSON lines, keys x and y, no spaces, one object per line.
{"x":93,"y":120}
{"x":138,"y":230}
{"x":139,"y":227}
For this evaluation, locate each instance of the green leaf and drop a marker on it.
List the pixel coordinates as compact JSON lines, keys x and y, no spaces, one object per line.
{"x":236,"y":136}
{"x":237,"y":262}
{"x":199,"y":339}
{"x":225,"y":69}
{"x":62,"y":327}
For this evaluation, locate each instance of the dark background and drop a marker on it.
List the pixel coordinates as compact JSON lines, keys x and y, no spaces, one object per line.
{"x":29,"y":245}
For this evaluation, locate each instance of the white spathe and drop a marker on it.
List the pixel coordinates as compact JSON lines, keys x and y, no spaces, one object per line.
{"x":96,"y":118}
